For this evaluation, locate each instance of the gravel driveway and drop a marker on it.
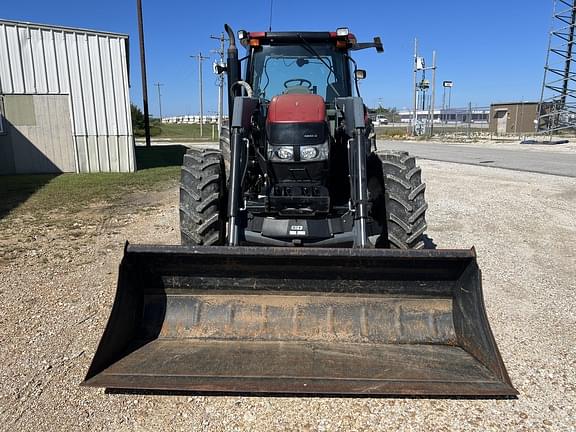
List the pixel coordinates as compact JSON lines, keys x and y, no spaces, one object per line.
{"x":57,"y":282}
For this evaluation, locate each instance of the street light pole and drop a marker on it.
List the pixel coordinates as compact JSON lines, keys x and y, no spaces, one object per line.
{"x":443,"y":104}
{"x":446,"y":84}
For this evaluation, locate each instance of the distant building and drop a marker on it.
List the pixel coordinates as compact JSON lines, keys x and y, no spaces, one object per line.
{"x":513,"y":117}
{"x":193,"y":119}
{"x":449,"y":115}
{"x":64,"y":100}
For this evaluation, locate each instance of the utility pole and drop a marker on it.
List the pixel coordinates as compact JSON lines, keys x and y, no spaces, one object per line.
{"x":158,"y":85}
{"x":469,"y":117}
{"x":219,"y":70}
{"x":143,"y":71}
{"x":433,"y":93}
{"x":421,"y":87}
{"x":414,"y":89}
{"x":200,"y":58}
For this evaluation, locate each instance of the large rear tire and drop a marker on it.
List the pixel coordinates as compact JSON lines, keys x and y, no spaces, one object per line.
{"x":225,"y":148}
{"x":405,"y":202}
{"x":202,"y":198}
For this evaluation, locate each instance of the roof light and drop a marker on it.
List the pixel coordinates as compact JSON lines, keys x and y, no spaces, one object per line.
{"x":242,"y":34}
{"x":343,"y":31}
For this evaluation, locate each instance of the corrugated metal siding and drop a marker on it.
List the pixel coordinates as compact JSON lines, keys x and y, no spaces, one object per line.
{"x":91,"y":68}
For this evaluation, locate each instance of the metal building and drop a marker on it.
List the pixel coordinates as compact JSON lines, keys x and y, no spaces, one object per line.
{"x":513,"y":117}
{"x":64,"y":100}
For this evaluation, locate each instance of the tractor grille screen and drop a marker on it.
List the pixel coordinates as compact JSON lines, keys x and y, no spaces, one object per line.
{"x":297,"y":133}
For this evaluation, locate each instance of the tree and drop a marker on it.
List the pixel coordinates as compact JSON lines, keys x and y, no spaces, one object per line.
{"x":390,"y":113}
{"x":137,"y":117}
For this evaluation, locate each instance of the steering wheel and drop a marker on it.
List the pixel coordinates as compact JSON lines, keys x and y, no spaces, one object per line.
{"x":300,"y":82}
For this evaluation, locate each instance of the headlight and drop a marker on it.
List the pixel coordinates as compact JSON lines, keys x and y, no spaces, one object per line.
{"x":315,"y":152}
{"x":308,"y":152}
{"x":283,"y":153}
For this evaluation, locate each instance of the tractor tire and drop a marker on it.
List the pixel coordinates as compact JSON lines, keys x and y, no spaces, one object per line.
{"x":225,"y":148}
{"x":202,"y":198}
{"x":404,"y":200}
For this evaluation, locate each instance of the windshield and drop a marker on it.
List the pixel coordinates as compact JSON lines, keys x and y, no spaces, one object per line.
{"x":296,"y":68}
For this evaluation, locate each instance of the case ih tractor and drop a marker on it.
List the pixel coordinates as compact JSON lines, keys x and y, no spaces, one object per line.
{"x":302,"y":268}
{"x":296,"y":166}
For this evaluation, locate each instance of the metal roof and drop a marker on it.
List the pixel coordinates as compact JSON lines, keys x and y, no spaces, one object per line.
{"x":515,"y":103}
{"x":62,"y":28}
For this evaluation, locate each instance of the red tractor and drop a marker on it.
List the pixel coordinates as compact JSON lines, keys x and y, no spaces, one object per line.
{"x":296,"y":167}
{"x":299,"y":270}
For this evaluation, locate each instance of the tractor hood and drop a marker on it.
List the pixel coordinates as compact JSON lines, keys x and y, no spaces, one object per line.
{"x":297,"y":119}
{"x":297,"y":108}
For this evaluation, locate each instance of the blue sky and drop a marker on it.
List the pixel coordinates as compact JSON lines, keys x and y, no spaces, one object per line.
{"x":493,"y":50}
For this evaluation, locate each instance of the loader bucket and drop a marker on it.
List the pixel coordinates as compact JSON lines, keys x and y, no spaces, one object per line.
{"x":298,"y":320}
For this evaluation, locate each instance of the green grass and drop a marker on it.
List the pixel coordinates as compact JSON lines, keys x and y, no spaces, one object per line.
{"x":154,"y":131}
{"x":38,"y":194}
{"x":179,"y":131}
{"x":391,"y":132}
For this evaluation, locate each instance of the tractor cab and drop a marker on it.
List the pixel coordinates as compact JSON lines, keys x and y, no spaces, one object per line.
{"x":296,"y":63}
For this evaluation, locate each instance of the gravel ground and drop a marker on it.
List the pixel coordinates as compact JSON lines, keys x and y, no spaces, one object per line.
{"x":57,"y":282}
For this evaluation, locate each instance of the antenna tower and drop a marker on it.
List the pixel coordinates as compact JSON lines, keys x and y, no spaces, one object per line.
{"x":557,"y":109}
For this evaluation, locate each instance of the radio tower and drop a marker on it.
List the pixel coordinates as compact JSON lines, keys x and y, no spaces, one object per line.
{"x":557,"y":109}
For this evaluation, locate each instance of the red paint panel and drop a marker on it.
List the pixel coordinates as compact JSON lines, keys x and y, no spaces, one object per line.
{"x":297,"y":108}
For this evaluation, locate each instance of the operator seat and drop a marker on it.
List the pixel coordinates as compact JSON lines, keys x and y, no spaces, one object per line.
{"x":297,"y":90}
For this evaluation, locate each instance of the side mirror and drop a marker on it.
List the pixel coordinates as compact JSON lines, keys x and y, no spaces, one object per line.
{"x":360,"y":74}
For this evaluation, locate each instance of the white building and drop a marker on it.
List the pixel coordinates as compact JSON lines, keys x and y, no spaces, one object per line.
{"x":192,"y":119}
{"x":64,"y":100}
{"x":448,"y":115}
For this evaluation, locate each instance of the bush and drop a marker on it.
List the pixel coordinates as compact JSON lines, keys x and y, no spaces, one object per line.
{"x":137,"y":117}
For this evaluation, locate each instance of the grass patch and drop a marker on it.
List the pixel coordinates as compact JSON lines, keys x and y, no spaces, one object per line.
{"x":72,"y":192}
{"x":391,"y":132}
{"x":154,"y":131}
{"x":182,"y":132}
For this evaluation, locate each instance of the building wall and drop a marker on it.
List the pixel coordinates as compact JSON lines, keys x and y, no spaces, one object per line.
{"x":38,"y":134}
{"x":519,"y":117}
{"x":88,"y":68}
